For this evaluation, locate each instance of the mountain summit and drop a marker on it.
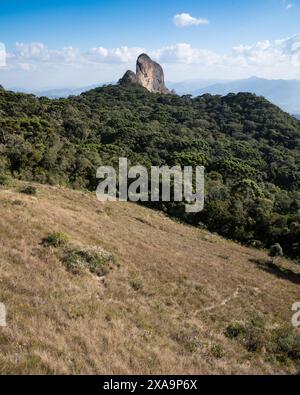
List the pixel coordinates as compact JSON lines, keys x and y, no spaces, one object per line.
{"x":149,"y":74}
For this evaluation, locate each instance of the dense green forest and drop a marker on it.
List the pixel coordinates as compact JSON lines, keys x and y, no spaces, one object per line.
{"x":249,"y":147}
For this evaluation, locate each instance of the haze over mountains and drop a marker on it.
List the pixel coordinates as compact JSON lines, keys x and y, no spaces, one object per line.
{"x":56,"y":93}
{"x":283,"y":93}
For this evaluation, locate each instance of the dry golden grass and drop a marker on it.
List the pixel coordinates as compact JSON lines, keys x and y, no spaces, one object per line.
{"x":162,"y":311}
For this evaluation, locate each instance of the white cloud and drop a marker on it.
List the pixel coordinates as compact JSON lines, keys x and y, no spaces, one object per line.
{"x":284,"y":52}
{"x":289,"y":6}
{"x":262,"y":53}
{"x":38,"y":52}
{"x":185,"y":19}
{"x":185,"y":53}
{"x":2,"y":55}
{"x":269,"y":59}
{"x":27,"y":55}
{"x":114,"y":55}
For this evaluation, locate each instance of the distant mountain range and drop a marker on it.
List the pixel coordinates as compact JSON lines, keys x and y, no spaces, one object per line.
{"x":191,"y":86}
{"x":57,"y":93}
{"x":65,"y":92}
{"x":283,"y":93}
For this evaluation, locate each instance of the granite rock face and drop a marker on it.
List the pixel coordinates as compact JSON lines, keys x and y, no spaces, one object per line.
{"x":149,"y":74}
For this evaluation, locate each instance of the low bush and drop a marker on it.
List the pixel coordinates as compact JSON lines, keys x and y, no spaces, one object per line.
{"x":254,"y":338}
{"x":282,"y":343}
{"x":57,"y":239}
{"x":4,"y":179}
{"x":29,"y":190}
{"x":286,"y":344}
{"x":234,"y":330}
{"x":217,"y":351}
{"x":94,"y":259}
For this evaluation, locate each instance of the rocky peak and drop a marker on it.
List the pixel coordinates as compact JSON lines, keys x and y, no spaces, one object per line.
{"x":149,"y":74}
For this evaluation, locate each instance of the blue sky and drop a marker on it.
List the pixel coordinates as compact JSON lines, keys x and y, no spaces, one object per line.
{"x":72,"y":43}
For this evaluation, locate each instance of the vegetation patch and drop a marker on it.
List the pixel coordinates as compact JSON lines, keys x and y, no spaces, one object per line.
{"x":4,"y":180}
{"x":282,"y":344}
{"x":29,"y":190}
{"x":18,"y":203}
{"x":77,"y":259}
{"x":136,"y":285}
{"x":286,"y":344}
{"x":94,"y":259}
{"x":234,"y":330}
{"x":56,"y":239}
{"x":217,"y":351}
{"x":189,"y":340}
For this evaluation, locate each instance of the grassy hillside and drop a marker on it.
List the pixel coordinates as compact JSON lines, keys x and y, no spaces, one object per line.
{"x":174,"y":299}
{"x":249,"y":147}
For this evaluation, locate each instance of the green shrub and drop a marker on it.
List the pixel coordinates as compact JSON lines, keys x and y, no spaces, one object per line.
{"x":29,"y":190}
{"x":258,"y":321}
{"x":286,"y":344}
{"x":275,"y":251}
{"x":234,"y":330}
{"x":253,"y":338}
{"x":4,"y":179}
{"x":217,"y":351}
{"x":280,"y":343}
{"x":57,"y":239}
{"x":94,"y":259}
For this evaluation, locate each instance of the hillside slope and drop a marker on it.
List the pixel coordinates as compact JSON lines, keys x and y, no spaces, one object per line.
{"x":164,"y":308}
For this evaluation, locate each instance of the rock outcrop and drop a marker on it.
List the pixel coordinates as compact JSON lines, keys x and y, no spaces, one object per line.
{"x":149,"y":74}
{"x":129,"y":78}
